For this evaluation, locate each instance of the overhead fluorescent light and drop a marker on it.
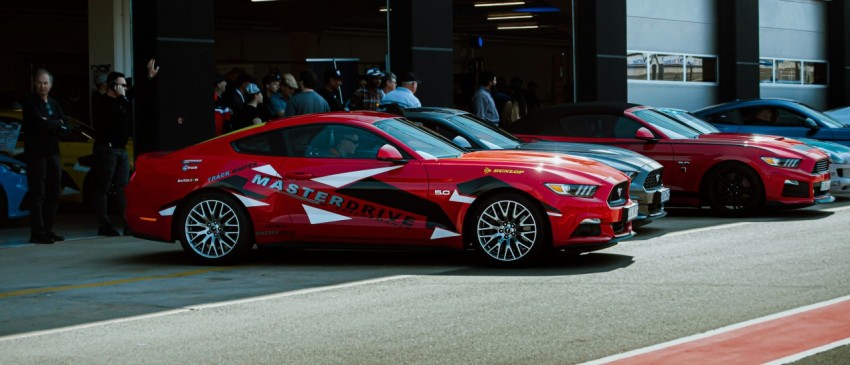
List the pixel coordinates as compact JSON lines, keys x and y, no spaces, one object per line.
{"x":383,"y":9}
{"x":509,"y":3}
{"x":509,"y":17}
{"x":505,"y":27}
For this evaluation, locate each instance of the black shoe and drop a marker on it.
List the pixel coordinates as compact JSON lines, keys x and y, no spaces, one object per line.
{"x":55,"y":237}
{"x":107,"y":231}
{"x":41,"y":239}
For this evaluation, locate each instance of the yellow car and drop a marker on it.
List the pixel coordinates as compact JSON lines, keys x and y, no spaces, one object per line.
{"x":75,"y":150}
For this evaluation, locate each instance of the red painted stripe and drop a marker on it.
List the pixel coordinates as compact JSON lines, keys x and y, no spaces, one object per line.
{"x":758,"y":343}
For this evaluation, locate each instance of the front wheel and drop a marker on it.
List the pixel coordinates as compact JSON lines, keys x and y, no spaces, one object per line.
{"x":734,"y":190}
{"x":214,"y":229}
{"x":509,"y":230}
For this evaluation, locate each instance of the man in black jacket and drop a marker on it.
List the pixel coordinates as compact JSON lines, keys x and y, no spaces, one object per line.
{"x":44,"y":123}
{"x":112,"y":122}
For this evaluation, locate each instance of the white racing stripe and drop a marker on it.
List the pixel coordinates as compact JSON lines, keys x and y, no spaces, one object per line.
{"x":202,"y":307}
{"x":805,"y":354}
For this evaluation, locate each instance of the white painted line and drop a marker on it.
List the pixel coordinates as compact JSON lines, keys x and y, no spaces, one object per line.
{"x":805,"y":354}
{"x":716,"y":332}
{"x":836,"y":209}
{"x":202,"y":307}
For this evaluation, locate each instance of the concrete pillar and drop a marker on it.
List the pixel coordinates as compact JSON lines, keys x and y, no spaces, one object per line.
{"x":600,"y":50}
{"x":110,"y":37}
{"x":838,"y":43}
{"x":421,"y":41}
{"x":738,"y":49}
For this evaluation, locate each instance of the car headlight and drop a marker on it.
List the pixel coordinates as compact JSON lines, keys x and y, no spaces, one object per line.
{"x":584,"y":191}
{"x":782,"y":162}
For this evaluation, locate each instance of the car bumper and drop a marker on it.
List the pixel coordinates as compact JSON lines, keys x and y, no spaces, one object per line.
{"x":651,"y":204}
{"x":797,"y":188}
{"x":577,"y":228}
{"x":840,"y":180}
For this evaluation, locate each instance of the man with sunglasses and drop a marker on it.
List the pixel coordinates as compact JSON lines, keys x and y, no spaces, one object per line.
{"x":112,"y":119}
{"x":345,"y":146}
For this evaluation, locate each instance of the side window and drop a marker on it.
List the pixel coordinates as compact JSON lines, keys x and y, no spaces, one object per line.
{"x":589,"y":126}
{"x":334,"y":141}
{"x":726,"y":117}
{"x":267,"y":144}
{"x":625,"y":128}
{"x":788,"y":118}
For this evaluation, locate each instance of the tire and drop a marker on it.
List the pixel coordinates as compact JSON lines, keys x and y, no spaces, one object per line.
{"x":508,"y":230}
{"x":734,"y":190}
{"x":214,"y":229}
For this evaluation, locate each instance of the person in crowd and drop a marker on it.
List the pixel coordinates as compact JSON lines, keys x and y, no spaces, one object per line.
{"x":345,"y":146}
{"x":482,"y":102}
{"x":404,"y":95}
{"x":765,"y":116}
{"x":516,"y":107}
{"x":501,"y":92}
{"x":222,"y":113}
{"x":307,"y":100}
{"x":288,"y":87}
{"x":112,"y":117}
{"x":331,"y":93}
{"x":43,"y":124}
{"x":531,"y":96}
{"x":250,"y":113}
{"x":235,"y":97}
{"x":387,"y":84}
{"x":273,"y":105}
{"x":99,"y":84}
{"x":368,"y":98}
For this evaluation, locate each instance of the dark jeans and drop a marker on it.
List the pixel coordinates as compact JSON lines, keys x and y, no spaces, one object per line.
{"x":44,"y":180}
{"x":112,"y":171}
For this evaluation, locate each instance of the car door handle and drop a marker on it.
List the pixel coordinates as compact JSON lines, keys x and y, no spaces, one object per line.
{"x":299,"y":175}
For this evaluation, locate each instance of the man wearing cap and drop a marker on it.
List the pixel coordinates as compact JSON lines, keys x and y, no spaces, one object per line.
{"x":403,"y":96}
{"x":274,"y":106}
{"x":250,"y":113}
{"x":387,"y":84}
{"x":368,"y":98}
{"x":307,"y":101}
{"x":483,"y":104}
{"x":288,"y":86}
{"x":333,"y":80}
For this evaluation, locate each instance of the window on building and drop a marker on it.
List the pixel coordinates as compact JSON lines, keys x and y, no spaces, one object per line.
{"x":636,"y":66}
{"x":787,"y":72}
{"x":670,"y":67}
{"x":766,"y":71}
{"x":814,"y":73}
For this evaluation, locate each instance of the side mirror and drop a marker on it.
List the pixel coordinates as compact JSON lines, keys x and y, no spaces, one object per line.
{"x":644,"y":134}
{"x":461,"y":142}
{"x":810,"y":123}
{"x":390,"y":153}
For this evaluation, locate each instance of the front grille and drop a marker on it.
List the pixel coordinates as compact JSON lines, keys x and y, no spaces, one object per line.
{"x":619,"y":195}
{"x":821,"y":166}
{"x":653,"y":181}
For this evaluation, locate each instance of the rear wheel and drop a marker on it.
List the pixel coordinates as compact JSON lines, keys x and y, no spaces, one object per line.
{"x":509,"y":230}
{"x":214,"y":229}
{"x":734,"y":190}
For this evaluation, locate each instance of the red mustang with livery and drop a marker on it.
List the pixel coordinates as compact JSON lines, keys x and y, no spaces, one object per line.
{"x":371,"y":179}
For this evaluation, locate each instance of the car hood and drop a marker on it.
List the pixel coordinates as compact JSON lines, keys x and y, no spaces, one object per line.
{"x":838,"y":154}
{"x":764,"y":141}
{"x":618,"y":158}
{"x":520,"y":162}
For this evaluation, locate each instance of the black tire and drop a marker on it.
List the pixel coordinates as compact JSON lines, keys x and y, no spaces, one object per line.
{"x":214,"y":229}
{"x":734,"y":190}
{"x":508,"y":230}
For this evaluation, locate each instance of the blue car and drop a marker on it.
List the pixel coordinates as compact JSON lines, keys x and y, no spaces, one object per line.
{"x":470,"y":132}
{"x":13,"y":189}
{"x":777,"y":117}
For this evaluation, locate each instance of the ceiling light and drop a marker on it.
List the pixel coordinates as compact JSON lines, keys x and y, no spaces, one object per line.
{"x":517,"y":27}
{"x":383,"y":9}
{"x":508,"y":17}
{"x":510,"y":3}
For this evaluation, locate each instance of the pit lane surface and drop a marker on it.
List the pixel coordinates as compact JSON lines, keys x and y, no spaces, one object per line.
{"x":124,"y":300}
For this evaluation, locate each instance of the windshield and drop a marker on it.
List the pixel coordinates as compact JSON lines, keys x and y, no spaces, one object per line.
{"x":424,"y":143}
{"x":672,"y":128}
{"x":826,"y":119}
{"x":490,"y":135}
{"x":691,"y":121}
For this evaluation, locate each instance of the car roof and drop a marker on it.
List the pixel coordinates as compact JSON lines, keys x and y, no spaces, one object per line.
{"x":747,"y":102}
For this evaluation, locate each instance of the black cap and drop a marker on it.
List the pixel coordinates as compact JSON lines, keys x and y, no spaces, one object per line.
{"x":333,"y":74}
{"x":217,"y":79}
{"x":272,"y":76}
{"x":409,"y":77}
